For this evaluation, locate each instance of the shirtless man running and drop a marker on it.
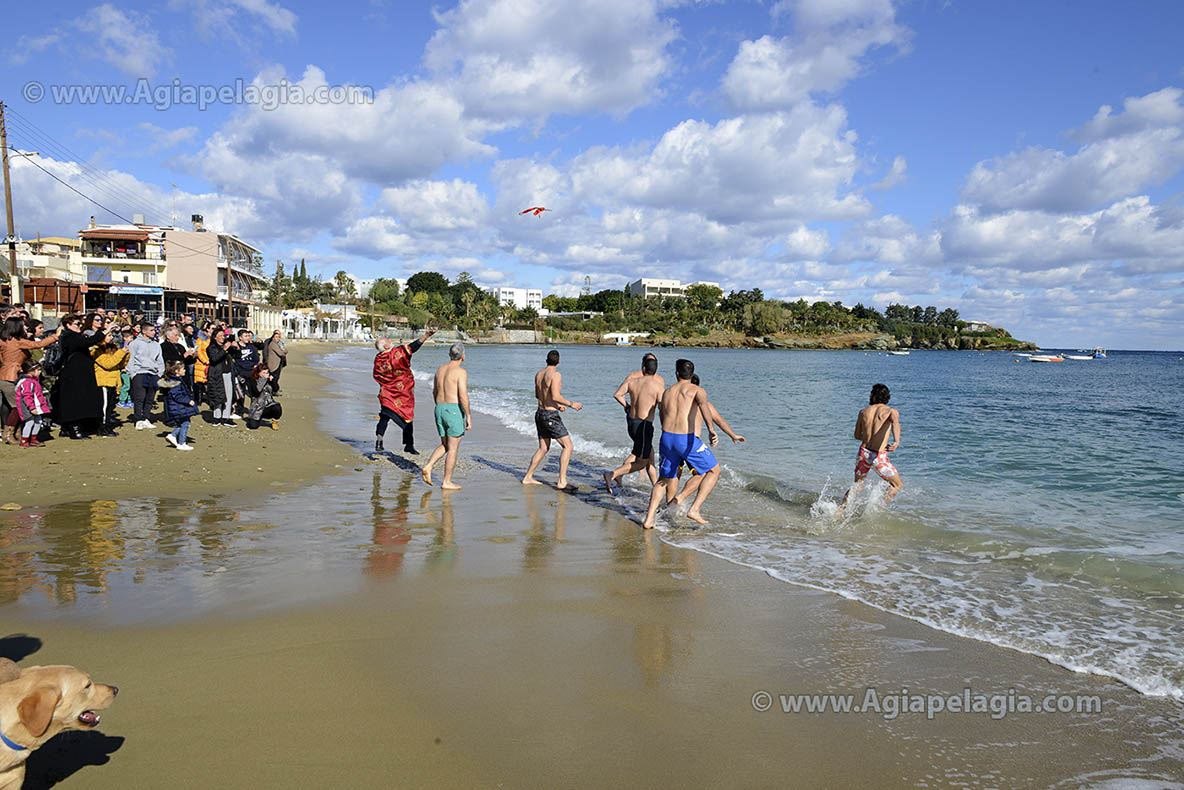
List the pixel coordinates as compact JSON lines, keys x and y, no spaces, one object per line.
{"x":680,"y":406}
{"x":644,"y":389}
{"x":715,"y":419}
{"x":872,"y":428}
{"x":453,"y":418}
{"x":548,"y":385}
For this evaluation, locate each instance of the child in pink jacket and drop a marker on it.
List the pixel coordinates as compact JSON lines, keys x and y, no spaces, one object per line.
{"x":31,"y":403}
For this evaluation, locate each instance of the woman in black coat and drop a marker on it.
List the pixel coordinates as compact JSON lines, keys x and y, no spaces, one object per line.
{"x":76,"y":394}
{"x":216,"y":378}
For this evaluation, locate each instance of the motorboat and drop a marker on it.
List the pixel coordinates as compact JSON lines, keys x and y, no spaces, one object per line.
{"x":1099,"y":353}
{"x":904,"y":353}
{"x":1045,"y":358}
{"x":1078,"y":356}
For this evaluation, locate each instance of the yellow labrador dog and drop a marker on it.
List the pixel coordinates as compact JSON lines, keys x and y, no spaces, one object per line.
{"x":36,"y":703}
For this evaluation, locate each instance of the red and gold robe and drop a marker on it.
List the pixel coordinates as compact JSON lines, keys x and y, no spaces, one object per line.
{"x":392,"y":371}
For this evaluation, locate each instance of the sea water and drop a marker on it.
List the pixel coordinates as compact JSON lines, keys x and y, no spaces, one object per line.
{"x":1043,"y":509}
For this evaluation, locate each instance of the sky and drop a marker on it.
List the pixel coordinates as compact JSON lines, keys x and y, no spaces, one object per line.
{"x":1020,"y":162}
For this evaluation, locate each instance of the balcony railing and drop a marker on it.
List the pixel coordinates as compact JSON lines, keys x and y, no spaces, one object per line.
{"x":151,"y":255}
{"x":241,"y":294}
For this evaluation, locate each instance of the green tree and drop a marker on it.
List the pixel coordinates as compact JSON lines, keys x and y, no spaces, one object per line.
{"x":430,"y":282}
{"x":948,"y":317}
{"x":384,"y":290}
{"x":918,"y":315}
{"x":931,"y":316}
{"x":280,"y":284}
{"x":704,"y":297}
{"x":344,"y":287}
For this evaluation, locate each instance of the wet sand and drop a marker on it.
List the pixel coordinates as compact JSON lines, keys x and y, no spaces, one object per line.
{"x":510,"y":637}
{"x":138,"y":463}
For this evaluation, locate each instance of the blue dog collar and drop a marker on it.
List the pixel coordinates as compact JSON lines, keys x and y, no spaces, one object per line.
{"x":14,"y":746}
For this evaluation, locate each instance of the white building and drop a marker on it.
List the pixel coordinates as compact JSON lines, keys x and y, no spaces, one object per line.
{"x":362,"y":287}
{"x":520,"y":298}
{"x":653,"y":286}
{"x":325,"y":322}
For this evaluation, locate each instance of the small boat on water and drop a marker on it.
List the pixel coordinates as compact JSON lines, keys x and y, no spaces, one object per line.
{"x":1045,"y":358}
{"x":899,"y":353}
{"x":1077,"y":356}
{"x":1023,"y":353}
{"x":1099,"y":353}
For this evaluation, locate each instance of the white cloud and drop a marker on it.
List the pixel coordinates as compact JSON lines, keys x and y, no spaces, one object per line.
{"x":510,"y":59}
{"x":1122,"y":155}
{"x":161,"y":139}
{"x":26,"y":46}
{"x":125,"y":39}
{"x":433,"y":206}
{"x":228,"y":19}
{"x":1158,"y":110}
{"x":822,"y":55}
{"x":787,"y":165}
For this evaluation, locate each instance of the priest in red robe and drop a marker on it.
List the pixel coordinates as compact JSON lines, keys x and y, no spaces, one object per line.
{"x":396,"y":394}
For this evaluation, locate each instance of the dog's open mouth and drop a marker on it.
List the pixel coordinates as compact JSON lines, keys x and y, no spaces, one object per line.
{"x":88,"y":718}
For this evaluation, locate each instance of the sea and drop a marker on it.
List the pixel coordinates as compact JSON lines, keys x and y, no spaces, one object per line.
{"x":1043,"y":509}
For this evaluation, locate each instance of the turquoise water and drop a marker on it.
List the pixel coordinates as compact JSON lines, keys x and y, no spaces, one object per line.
{"x":1042,"y":511}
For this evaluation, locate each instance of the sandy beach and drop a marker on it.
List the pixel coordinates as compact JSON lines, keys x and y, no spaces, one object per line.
{"x":505,"y":637}
{"x":136,"y":463}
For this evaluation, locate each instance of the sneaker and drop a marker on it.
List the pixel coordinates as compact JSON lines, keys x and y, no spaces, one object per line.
{"x":378,"y":445}
{"x":139,"y":425}
{"x":149,"y":425}
{"x":172,"y":440}
{"x":184,"y":446}
{"x":234,"y":416}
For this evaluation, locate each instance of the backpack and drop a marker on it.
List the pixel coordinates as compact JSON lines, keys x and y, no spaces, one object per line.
{"x":52,"y":360}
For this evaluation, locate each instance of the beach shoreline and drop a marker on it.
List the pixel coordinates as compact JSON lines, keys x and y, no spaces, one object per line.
{"x":527,"y":637}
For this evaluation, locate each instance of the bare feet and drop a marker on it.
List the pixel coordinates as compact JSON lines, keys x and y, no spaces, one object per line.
{"x":693,"y":515}
{"x":426,"y":474}
{"x":449,"y":486}
{"x":608,"y":481}
{"x":530,"y":481}
{"x":647,"y":525}
{"x":563,"y":485}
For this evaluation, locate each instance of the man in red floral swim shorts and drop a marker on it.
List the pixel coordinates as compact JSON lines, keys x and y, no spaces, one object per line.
{"x":875,"y":423}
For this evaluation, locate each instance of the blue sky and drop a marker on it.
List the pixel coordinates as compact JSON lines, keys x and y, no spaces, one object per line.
{"x":1021,"y":162}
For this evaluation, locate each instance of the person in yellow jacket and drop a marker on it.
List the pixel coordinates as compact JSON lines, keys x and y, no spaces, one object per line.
{"x":110,"y":360}
{"x":201,"y":366}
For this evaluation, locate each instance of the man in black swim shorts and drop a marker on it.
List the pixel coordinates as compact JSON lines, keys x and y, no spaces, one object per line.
{"x":548,"y":385}
{"x":643,"y":389}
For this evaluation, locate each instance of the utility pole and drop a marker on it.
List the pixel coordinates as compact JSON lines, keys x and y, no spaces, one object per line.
{"x":8,"y":205}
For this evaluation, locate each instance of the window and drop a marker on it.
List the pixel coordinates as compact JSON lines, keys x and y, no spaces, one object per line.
{"x":149,"y":278}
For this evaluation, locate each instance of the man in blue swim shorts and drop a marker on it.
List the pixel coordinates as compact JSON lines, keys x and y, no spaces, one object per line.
{"x":679,"y":408}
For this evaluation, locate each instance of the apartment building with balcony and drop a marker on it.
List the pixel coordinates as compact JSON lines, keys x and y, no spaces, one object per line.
{"x":653,"y":286}
{"x":165,"y":270}
{"x":520,"y":298}
{"x":51,"y":283}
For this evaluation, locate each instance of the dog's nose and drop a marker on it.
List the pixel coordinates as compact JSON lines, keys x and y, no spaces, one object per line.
{"x":114,"y":691}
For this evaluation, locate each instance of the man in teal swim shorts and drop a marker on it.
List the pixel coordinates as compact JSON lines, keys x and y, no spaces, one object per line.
{"x":451,"y":391}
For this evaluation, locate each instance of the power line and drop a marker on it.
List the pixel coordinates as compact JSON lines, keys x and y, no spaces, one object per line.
{"x":44,"y":139}
{"x":97,"y":178}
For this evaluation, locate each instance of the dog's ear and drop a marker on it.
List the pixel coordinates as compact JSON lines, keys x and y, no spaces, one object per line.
{"x":8,"y":670}
{"x":36,"y":709}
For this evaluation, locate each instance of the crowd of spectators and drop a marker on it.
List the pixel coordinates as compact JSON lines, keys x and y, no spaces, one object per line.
{"x":78,"y":376}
